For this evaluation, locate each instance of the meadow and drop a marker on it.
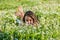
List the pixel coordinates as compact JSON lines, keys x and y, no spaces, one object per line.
{"x":48,"y":12}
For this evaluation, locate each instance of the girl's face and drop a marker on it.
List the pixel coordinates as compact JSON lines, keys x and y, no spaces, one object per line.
{"x":28,"y":20}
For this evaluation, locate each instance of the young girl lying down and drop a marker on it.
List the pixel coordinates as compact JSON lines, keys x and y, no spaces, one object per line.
{"x":28,"y":18}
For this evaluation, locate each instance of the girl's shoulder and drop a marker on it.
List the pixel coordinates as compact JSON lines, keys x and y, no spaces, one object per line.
{"x":19,"y":22}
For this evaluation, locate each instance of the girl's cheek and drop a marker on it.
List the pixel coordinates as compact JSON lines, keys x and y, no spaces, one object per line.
{"x":31,"y":22}
{"x":26,"y":22}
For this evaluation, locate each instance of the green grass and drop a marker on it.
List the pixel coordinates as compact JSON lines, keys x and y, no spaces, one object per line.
{"x":48,"y":12}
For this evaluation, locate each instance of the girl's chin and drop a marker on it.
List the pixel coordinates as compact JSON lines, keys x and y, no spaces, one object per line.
{"x":28,"y":24}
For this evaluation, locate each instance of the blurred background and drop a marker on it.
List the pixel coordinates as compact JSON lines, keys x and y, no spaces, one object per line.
{"x":48,"y":12}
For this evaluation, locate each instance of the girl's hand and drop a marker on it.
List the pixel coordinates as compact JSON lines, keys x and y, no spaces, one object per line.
{"x":20,"y":12}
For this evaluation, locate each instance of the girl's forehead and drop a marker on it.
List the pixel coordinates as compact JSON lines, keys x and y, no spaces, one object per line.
{"x":27,"y":17}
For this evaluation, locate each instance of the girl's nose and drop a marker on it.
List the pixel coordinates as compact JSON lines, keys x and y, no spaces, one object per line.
{"x":28,"y":22}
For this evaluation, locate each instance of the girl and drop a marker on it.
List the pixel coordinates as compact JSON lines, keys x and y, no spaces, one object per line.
{"x":28,"y":17}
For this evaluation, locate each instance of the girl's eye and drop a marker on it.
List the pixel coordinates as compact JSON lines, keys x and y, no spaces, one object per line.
{"x":26,"y":20}
{"x":30,"y":20}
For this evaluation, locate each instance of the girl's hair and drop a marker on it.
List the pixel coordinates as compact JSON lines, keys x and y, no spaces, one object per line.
{"x":30,"y":14}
